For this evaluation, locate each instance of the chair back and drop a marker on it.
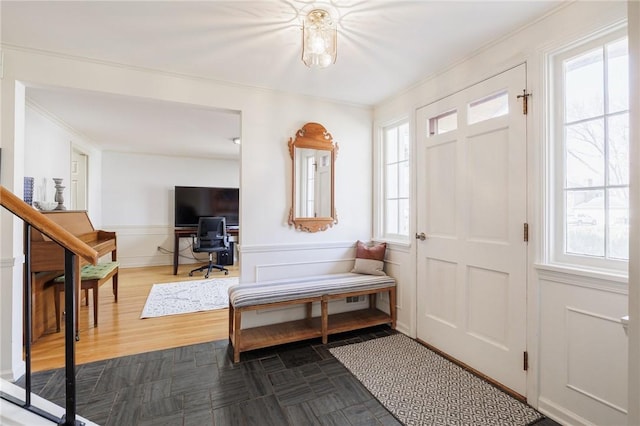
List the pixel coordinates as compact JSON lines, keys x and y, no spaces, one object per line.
{"x":212,"y":234}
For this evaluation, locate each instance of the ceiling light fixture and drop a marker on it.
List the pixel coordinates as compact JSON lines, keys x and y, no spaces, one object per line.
{"x":319,"y":39}
{"x":236,"y":141}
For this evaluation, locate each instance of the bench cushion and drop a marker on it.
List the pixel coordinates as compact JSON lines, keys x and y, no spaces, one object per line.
{"x":94,"y":272}
{"x":241,"y":295}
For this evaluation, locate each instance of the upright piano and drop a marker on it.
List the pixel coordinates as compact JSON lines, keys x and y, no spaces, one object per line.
{"x":47,"y":262}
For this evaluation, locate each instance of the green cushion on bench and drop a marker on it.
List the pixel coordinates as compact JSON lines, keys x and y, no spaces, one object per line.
{"x":94,"y":272}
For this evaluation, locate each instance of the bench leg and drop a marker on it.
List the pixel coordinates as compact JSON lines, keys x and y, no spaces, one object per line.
{"x":372,"y":301}
{"x":309,"y":307}
{"x":95,"y":285}
{"x":392,"y":307}
{"x":237,"y":315}
{"x":114,"y":281}
{"x":230,"y":311}
{"x":324,"y":308}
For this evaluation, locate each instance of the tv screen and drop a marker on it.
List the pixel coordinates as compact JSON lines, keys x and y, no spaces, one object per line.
{"x":193,"y":202}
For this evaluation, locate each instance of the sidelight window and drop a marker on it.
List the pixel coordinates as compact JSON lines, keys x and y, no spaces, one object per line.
{"x":590,"y":148}
{"x":395,"y":182}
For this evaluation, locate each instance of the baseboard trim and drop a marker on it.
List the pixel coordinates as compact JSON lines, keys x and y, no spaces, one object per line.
{"x":560,"y":414}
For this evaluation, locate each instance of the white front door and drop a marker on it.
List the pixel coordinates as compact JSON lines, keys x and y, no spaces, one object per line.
{"x":472,"y":208}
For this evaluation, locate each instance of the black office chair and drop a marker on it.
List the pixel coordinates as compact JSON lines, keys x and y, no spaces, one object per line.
{"x":211,"y":238}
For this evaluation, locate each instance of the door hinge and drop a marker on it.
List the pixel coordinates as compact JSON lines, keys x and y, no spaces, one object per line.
{"x":525,"y":101}
{"x":526,"y":232}
{"x":525,"y":364}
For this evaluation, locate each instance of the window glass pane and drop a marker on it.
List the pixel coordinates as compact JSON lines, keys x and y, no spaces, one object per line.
{"x":584,"y":86}
{"x":618,"y":128}
{"x":391,"y":181}
{"x":584,"y":154}
{"x":492,"y":106}
{"x":618,"y":76}
{"x":585,"y":222}
{"x":395,"y":180}
{"x":391,"y":145}
{"x":403,"y":142}
{"x":618,"y":235}
{"x":594,"y":152}
{"x":391,"y":219}
{"x":443,"y":123}
{"x":403,"y":212}
{"x":403,"y":176}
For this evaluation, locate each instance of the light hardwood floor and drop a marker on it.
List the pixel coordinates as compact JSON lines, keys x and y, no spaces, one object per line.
{"x":120,"y":330}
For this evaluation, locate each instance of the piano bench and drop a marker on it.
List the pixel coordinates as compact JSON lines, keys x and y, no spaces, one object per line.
{"x":91,"y":277}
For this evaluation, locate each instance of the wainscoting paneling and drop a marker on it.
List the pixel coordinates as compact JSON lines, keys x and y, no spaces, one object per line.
{"x":266,"y":272}
{"x":583,"y":349}
{"x":595,"y":334}
{"x":138,"y":246}
{"x":399,"y":264}
{"x":263,"y":263}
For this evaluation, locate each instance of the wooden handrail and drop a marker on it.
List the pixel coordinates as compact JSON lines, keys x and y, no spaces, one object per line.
{"x":45,"y":225}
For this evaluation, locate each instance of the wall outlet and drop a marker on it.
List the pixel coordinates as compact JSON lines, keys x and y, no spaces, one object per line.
{"x":355,"y":299}
{"x":159,"y":248}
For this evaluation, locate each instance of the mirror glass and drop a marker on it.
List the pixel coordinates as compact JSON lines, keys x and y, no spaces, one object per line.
{"x":313,"y":177}
{"x":313,"y":155}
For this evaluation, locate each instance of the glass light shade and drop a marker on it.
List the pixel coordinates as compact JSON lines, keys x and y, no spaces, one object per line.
{"x":319,"y":39}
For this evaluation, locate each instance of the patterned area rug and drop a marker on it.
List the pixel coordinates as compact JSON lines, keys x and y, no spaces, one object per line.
{"x":187,"y":296}
{"x":422,"y":388}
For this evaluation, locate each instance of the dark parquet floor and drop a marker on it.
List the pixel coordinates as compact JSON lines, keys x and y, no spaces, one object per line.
{"x":298,"y":384}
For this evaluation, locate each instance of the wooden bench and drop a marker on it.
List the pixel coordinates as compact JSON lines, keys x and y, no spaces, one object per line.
{"x":91,"y":277}
{"x":307,"y":291}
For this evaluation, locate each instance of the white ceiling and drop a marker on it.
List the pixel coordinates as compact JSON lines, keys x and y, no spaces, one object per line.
{"x":119,"y":123}
{"x":384,"y":47}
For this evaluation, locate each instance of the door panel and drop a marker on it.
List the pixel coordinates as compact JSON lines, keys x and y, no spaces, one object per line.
{"x":488,"y":180}
{"x":472,"y":207}
{"x":442,"y":182}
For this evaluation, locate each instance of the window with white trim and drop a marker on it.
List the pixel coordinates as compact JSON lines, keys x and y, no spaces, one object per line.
{"x":395,"y":208}
{"x":589,"y":209}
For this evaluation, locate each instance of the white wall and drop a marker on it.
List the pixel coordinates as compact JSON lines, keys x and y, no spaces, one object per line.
{"x":47,"y":149}
{"x":47,"y":153}
{"x":138,"y":200}
{"x":266,"y":191}
{"x":560,"y":303}
{"x":269,"y":119}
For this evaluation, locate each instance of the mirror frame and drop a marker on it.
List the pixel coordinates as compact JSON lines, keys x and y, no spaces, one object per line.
{"x":312,"y":136}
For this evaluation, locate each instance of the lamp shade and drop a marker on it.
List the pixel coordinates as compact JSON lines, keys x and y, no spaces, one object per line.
{"x":319,"y":39}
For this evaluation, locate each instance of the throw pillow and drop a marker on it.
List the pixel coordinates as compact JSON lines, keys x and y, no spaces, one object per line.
{"x":369,"y":259}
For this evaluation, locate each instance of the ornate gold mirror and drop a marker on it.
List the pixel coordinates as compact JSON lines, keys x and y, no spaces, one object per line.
{"x":313,"y":154}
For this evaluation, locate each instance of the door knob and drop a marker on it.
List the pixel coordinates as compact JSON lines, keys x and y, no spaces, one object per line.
{"x":421,"y":236}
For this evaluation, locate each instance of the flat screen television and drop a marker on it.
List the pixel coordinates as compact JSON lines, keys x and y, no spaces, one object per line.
{"x":192,"y":202}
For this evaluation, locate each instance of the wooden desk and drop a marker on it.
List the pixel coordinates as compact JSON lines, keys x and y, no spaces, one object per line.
{"x":188,"y":233}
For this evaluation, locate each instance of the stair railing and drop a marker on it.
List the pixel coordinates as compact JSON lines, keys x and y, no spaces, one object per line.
{"x":73,"y":247}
